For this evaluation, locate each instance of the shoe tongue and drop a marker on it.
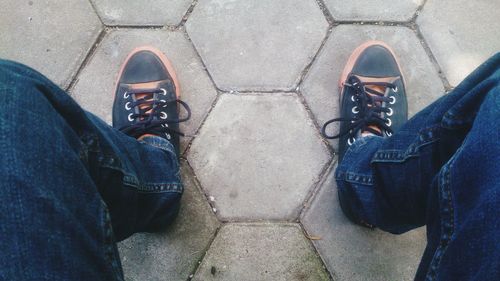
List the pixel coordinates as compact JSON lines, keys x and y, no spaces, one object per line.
{"x":144,"y":105}
{"x":148,"y":86}
{"x":368,"y":79}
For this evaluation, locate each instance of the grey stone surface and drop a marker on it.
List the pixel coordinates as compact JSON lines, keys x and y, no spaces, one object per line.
{"x":261,"y":252}
{"x":461,"y":34}
{"x":352,"y":252}
{"x":373,"y":10}
{"x":256,"y":45}
{"x":320,"y":87}
{"x":174,"y":254}
{"x":52,"y":37}
{"x":258,"y":155}
{"x":133,"y":12}
{"x":94,"y":89}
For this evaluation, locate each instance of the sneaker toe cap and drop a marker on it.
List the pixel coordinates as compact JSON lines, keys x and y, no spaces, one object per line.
{"x":143,"y":67}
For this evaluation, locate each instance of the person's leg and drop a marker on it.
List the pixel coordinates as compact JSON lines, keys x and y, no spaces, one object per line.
{"x":441,"y":169}
{"x":71,"y":185}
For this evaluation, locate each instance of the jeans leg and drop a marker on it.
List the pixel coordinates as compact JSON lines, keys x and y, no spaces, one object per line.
{"x":71,"y":185}
{"x":441,"y":170}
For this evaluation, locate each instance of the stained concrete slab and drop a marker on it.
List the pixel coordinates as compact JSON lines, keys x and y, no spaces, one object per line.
{"x":258,"y":156}
{"x":133,"y":12}
{"x":461,"y":34}
{"x":52,"y":37}
{"x":352,"y":252}
{"x":94,"y":89}
{"x":373,"y":10}
{"x":256,"y":45}
{"x":320,"y":87}
{"x":261,"y":252}
{"x":174,"y":254}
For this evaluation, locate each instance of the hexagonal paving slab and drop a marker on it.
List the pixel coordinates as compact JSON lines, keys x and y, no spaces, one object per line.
{"x":94,"y":89}
{"x":172,"y":255}
{"x":352,"y":252}
{"x":320,"y":87}
{"x":373,"y":10}
{"x":256,"y":45}
{"x":258,"y":156}
{"x":53,"y":37}
{"x":261,"y":252}
{"x":461,"y":34}
{"x":132,"y":12}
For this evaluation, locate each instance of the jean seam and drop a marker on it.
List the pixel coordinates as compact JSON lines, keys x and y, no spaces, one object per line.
{"x":447,"y":215}
{"x":163,"y":144}
{"x":425,"y":137}
{"x":157,"y":187}
{"x":355,"y":178}
{"x":110,"y":252}
{"x":109,"y":162}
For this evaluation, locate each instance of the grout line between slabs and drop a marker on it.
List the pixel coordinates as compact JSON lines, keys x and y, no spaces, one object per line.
{"x":203,"y":191}
{"x":305,"y":71}
{"x":326,"y":13}
{"x":94,"y":8}
{"x":207,"y":248}
{"x":186,"y":34}
{"x":434,"y":62}
{"x":197,"y":131}
{"x":329,"y":169}
{"x":416,"y":28}
{"x":188,"y":13}
{"x":322,"y":176}
{"x":315,"y":250}
{"x":417,"y":12}
{"x":315,"y":123}
{"x":86,"y":60}
{"x":146,"y":26}
{"x":198,"y":186}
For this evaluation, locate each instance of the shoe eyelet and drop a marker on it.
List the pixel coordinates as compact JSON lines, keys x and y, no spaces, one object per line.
{"x":388,"y":122}
{"x":390,"y":112}
{"x":393,"y":100}
{"x":127,"y":106}
{"x":350,"y":141}
{"x":130,"y":117}
{"x":163,"y":91}
{"x":168,"y":136}
{"x":388,"y":133}
{"x":353,"y":99}
{"x":355,"y":110}
{"x":126,"y":95}
{"x":163,"y":115}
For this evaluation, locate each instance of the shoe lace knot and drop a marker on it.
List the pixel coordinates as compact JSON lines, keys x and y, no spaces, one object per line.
{"x":371,"y":109}
{"x":149,"y":110}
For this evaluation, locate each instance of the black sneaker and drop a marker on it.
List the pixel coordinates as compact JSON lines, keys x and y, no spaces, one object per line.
{"x":372,"y":96}
{"x":147,"y":97}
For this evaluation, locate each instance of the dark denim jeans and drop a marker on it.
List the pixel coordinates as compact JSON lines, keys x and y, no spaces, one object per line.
{"x":71,"y":186}
{"x":442,"y":170}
